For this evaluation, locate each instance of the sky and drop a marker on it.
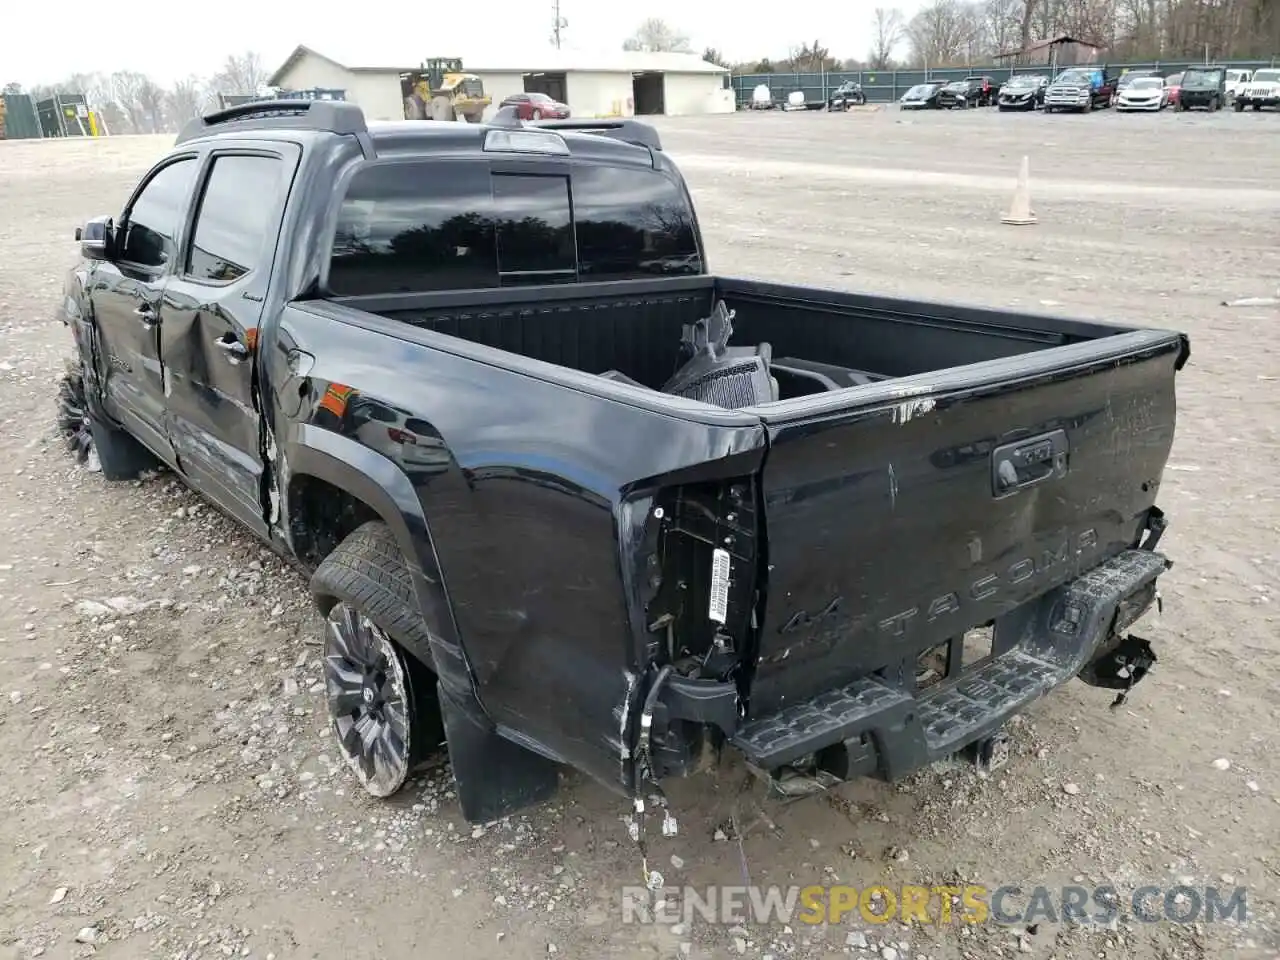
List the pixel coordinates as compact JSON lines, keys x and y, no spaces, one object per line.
{"x":162,"y":40}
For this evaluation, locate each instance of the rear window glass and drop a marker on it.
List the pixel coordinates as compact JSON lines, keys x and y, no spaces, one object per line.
{"x":535,"y":229}
{"x":414,"y":228}
{"x":632,"y":223}
{"x":426,"y":226}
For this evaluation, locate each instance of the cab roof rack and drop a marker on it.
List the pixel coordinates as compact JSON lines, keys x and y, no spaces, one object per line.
{"x":628,"y":131}
{"x":331,"y":116}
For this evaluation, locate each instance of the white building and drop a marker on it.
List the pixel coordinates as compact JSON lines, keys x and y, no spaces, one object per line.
{"x":594,"y":85}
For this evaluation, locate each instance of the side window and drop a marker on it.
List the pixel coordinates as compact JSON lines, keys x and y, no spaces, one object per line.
{"x":535,"y":230}
{"x":241,"y":199}
{"x":152,"y":222}
{"x":632,"y":223}
{"x":415,"y":228}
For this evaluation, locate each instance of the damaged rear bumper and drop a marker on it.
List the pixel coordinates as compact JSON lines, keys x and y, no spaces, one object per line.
{"x":877,"y":727}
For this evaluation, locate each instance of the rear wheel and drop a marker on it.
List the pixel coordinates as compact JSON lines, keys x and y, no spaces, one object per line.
{"x":537,"y":114}
{"x":383,"y":703}
{"x":1257,"y":106}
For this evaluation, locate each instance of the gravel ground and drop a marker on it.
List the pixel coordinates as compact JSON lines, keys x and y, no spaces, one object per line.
{"x":173,"y":792}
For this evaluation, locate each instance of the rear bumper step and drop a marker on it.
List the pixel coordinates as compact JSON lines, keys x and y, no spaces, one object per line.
{"x":892,"y":731}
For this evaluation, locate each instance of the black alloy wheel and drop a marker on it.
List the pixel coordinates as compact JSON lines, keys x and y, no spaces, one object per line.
{"x":368,"y":698}
{"x":73,"y":418}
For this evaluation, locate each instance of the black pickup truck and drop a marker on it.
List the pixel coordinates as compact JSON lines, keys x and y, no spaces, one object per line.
{"x":477,"y":381}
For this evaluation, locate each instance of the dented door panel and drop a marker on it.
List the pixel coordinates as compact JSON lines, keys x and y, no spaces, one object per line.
{"x":210,"y":318}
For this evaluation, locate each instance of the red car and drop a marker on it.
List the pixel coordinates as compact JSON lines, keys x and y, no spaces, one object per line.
{"x":536,"y":106}
{"x":1173,"y":83}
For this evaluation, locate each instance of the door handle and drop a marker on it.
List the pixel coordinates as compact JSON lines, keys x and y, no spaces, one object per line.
{"x":233,"y":349}
{"x":1026,"y":463}
{"x":146,"y":314}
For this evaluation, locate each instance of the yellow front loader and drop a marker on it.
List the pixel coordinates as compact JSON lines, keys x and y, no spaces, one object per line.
{"x":443,"y":91}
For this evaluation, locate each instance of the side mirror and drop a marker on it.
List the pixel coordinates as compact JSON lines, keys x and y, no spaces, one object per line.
{"x":96,"y":239}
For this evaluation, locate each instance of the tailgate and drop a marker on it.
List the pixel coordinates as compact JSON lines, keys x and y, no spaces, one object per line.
{"x":902,"y":514}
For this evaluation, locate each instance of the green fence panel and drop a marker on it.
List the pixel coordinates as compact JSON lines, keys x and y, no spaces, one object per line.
{"x":20,"y":121}
{"x":887,"y":86}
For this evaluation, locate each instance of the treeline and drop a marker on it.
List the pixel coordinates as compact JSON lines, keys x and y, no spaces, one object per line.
{"x":961,"y":32}
{"x":132,"y":102}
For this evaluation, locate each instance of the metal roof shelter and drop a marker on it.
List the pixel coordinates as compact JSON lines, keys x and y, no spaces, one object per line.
{"x":1060,"y":51}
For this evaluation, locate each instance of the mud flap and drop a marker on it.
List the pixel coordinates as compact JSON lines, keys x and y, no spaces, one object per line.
{"x":495,"y":777}
{"x":1121,"y":667}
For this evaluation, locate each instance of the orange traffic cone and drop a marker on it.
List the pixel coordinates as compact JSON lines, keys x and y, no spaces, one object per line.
{"x":1020,"y":212}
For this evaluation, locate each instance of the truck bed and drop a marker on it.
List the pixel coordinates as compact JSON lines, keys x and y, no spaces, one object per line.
{"x":983,"y":460}
{"x":634,"y":327}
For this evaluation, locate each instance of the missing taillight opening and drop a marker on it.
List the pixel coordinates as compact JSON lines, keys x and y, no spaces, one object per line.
{"x":703,"y":576}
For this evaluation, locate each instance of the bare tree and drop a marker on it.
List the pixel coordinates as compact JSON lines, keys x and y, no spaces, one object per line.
{"x":242,"y":74}
{"x":656,"y":35}
{"x":185,"y":100}
{"x":887,"y":32}
{"x":151,"y":103}
{"x":12,"y":89}
{"x":943,"y":33}
{"x":127,"y":91}
{"x":712,"y":55}
{"x":811,"y":58}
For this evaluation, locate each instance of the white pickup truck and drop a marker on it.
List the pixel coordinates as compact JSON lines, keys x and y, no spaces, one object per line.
{"x":1262,"y":90}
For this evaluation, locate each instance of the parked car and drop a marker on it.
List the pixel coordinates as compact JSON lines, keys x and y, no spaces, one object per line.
{"x":848,"y":94}
{"x":969,"y":92}
{"x":536,"y":106}
{"x":1023,"y":92}
{"x":923,"y":96}
{"x":1262,"y":90}
{"x":1237,"y":80}
{"x":1127,"y":78}
{"x":1080,"y":89}
{"x":1203,"y":87}
{"x":1173,"y":86}
{"x":1143,"y":94}
{"x":592,"y":562}
{"x":990,"y":89}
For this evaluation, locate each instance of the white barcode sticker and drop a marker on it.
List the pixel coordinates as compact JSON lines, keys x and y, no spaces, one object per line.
{"x":719,"y":606}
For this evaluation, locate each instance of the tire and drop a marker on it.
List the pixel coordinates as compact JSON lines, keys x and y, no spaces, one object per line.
{"x":1239,"y":107}
{"x":1256,"y":106}
{"x":440,"y":109}
{"x":97,"y":446}
{"x":383,"y":703}
{"x":536,"y":115}
{"x":414,"y":108}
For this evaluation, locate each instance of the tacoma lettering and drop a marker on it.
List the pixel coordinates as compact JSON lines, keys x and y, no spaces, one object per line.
{"x":987,"y":586}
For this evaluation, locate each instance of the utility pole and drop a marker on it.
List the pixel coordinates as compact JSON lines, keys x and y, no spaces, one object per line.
{"x":560,"y":24}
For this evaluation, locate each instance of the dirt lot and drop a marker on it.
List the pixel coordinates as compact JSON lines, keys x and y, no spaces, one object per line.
{"x":171,"y":787}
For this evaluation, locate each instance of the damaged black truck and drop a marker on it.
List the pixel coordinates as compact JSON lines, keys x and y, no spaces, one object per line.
{"x":566,"y":498}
